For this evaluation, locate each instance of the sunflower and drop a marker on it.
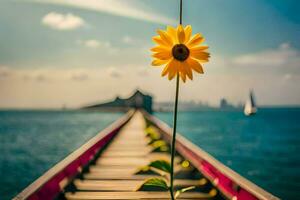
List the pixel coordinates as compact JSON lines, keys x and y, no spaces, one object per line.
{"x":180,"y":52}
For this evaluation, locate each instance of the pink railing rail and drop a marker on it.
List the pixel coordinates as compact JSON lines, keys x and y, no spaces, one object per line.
{"x":51,"y":183}
{"x":230,"y":183}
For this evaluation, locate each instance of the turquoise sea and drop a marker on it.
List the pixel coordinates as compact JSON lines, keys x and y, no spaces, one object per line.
{"x":264,"y":148}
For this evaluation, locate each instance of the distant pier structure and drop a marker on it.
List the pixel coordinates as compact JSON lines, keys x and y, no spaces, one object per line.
{"x":137,"y":100}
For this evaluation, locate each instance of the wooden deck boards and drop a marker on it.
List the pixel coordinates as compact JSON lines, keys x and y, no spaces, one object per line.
{"x":123,"y":161}
{"x":113,"y":174}
{"x":122,"y":185}
{"x":133,"y":195}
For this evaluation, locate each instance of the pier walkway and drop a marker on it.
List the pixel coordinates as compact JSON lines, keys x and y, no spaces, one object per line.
{"x":113,"y":174}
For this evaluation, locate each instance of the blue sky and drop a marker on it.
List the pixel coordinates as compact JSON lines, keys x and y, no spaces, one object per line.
{"x":55,"y":52}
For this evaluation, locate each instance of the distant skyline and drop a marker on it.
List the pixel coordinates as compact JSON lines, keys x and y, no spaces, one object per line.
{"x":60,"y":52}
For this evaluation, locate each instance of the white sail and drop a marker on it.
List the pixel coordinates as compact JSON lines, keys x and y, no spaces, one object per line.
{"x":250,"y":107}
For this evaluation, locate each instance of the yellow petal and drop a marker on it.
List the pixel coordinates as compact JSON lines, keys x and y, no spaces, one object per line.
{"x":188,"y":70}
{"x":185,"y":70}
{"x":196,"y":40}
{"x":164,"y":55}
{"x":165,"y":37}
{"x":199,"y":48}
{"x":188,"y":33}
{"x":157,"y":62}
{"x":182,"y":76}
{"x":200,"y":55}
{"x":172,"y":33}
{"x":180,"y":34}
{"x":165,"y":70}
{"x":172,"y":73}
{"x":176,"y":64}
{"x":159,"y":41}
{"x":172,"y":69}
{"x":195,"y":65}
{"x":160,"y":49}
{"x":181,"y":71}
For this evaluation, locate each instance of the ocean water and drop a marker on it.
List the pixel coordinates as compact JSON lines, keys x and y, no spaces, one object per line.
{"x":33,"y":141}
{"x":264,"y":148}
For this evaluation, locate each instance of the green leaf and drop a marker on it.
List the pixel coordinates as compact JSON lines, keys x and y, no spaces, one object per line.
{"x":178,"y":192}
{"x":153,"y":182}
{"x":162,"y":165}
{"x":147,"y":170}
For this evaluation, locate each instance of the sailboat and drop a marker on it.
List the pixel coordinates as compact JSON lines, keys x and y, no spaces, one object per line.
{"x":250,"y":107}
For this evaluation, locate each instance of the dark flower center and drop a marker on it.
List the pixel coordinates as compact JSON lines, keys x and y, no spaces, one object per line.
{"x":180,"y":52}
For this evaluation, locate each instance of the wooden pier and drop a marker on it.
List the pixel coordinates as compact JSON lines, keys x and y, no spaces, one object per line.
{"x":113,"y":175}
{"x":107,"y":167}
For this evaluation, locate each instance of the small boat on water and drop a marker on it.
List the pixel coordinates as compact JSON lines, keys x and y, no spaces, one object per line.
{"x":250,"y":107}
{"x":110,"y":166}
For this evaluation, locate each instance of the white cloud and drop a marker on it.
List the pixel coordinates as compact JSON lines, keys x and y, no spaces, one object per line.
{"x":114,"y":7}
{"x":62,"y":21}
{"x":127,"y":40}
{"x":114,"y":72}
{"x":92,"y":43}
{"x":282,"y":56}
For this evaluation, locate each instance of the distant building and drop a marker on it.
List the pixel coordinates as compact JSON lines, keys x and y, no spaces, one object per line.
{"x":137,"y":100}
{"x":225,"y":105}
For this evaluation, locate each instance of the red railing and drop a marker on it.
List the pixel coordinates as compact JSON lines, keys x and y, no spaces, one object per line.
{"x":51,"y":183}
{"x":231,"y":184}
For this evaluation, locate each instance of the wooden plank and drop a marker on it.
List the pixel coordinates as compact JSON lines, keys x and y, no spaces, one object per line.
{"x":130,"y":161}
{"x":123,"y":185}
{"x":132,"y":195}
{"x":122,"y":144}
{"x":146,"y":150}
{"x":107,"y":185}
{"x":130,"y":170}
{"x":138,"y":138}
{"x":137,"y":154}
{"x":124,"y":169}
{"x":98,"y":168}
{"x":136,"y":162}
{"x":114,"y":176}
{"x":129,"y":148}
{"x":124,"y":153}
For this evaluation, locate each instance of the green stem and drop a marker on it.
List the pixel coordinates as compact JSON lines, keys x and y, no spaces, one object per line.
{"x":175,"y":121}
{"x":174,"y":139}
